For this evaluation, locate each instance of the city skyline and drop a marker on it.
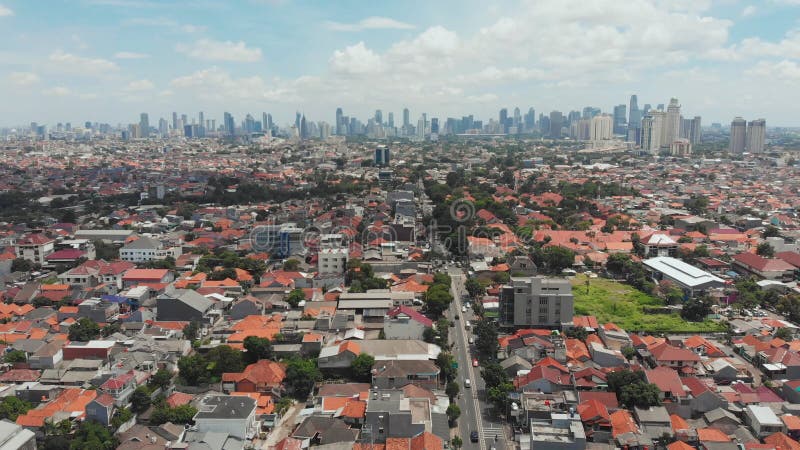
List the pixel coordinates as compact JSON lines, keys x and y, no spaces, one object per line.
{"x":113,"y":59}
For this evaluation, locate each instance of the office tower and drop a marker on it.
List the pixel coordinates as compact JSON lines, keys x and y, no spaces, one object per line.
{"x":144,"y":125}
{"x":530,"y":120}
{"x":646,"y":109}
{"x":214,"y":124}
{"x":544,"y":124}
{"x":297,"y":118}
{"x":174,"y":120}
{"x":421,"y":128}
{"x":391,"y":120}
{"x":163,"y":127}
{"x":652,"y":130}
{"x":573,"y":117}
{"x":690,"y":129}
{"x":304,"y":129}
{"x":324,"y":130}
{"x":249,"y":124}
{"x":673,"y":124}
{"x":406,"y":118}
{"x":601,"y":128}
{"x":434,"y":125}
{"x":536,"y":301}
{"x":68,"y":127}
{"x":229,"y":124}
{"x":556,"y":123}
{"x":660,"y":107}
{"x":619,"y":119}
{"x":184,"y":120}
{"x":756,"y":135}
{"x":634,"y":115}
{"x":382,"y":156}
{"x":201,"y":120}
{"x":379,"y":117}
{"x":581,"y":129}
{"x":503,"y":117}
{"x":339,"y":122}
{"x":517,"y":118}
{"x":738,"y":136}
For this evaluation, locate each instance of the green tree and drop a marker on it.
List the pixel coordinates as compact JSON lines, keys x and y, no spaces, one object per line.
{"x":283,"y":405}
{"x":784,"y":333}
{"x":193,"y":369}
{"x":616,"y":263}
{"x":92,"y":435}
{"x":121,"y":416}
{"x":162,"y":379}
{"x":494,"y":375}
{"x":444,"y":361}
{"x":361,"y":367}
{"x":453,"y":413}
{"x":696,"y":310}
{"x":619,"y":378}
{"x":301,"y":375}
{"x":497,"y":396}
{"x":452,"y":390}
{"x":770,"y":231}
{"x":295,"y":297}
{"x":474,"y":287}
{"x":223,"y":358}
{"x":21,"y":265}
{"x":765,"y":249}
{"x":429,"y":335}
{"x":628,"y":352}
{"x":257,"y":348}
{"x":486,"y":343}
{"x":191,"y":330}
{"x":437,"y":299}
{"x":11,"y":407}
{"x":558,"y":258}
{"x":697,"y":204}
{"x":140,"y":399}
{"x":85,"y":329}
{"x":456,"y":442}
{"x":15,"y":356}
{"x":290,"y":265}
{"x":180,"y":414}
{"x":642,"y":395}
{"x":579,"y":333}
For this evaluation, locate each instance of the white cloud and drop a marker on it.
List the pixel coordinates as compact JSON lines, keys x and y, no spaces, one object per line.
{"x":164,"y":22}
{"x":482,"y":98}
{"x":188,"y":28}
{"x":57,"y":91}
{"x":355,"y":59}
{"x":784,"y":70}
{"x":210,"y":50}
{"x":23,"y":78}
{"x":78,"y":65}
{"x":5,"y":11}
{"x":370,"y":23}
{"x":130,"y":55}
{"x":215,"y":84}
{"x":139,"y":86}
{"x":749,"y":10}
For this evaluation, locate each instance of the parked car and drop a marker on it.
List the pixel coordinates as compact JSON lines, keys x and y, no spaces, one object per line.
{"x":473,"y":436}
{"x":474,"y":362}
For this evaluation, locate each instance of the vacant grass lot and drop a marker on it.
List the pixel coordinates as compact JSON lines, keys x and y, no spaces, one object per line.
{"x":611,"y":301}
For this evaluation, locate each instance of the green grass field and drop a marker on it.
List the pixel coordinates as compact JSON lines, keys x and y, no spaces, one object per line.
{"x":611,"y":301}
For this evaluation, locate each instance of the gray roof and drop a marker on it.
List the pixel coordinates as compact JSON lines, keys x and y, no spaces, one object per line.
{"x":682,"y":272}
{"x":720,"y":413}
{"x":653,"y":414}
{"x":191,"y":298}
{"x":143,"y":243}
{"x":13,"y":435}
{"x":225,"y":407}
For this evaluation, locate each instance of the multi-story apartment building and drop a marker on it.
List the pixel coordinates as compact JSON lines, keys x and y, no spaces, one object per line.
{"x":537,"y":302}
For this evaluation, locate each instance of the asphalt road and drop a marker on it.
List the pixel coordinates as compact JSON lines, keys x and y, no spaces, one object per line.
{"x":474,"y":410}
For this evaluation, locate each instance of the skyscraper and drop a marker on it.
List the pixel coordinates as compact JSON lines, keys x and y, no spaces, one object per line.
{"x":230,"y":126}
{"x":556,"y":123}
{"x":406,"y":118}
{"x":738,"y":136}
{"x":434,"y":125}
{"x":201,"y":119}
{"x":756,"y":135}
{"x":304,"y":131}
{"x":297,"y":120}
{"x":530,"y":120}
{"x":653,"y":126}
{"x":391,"y":120}
{"x":673,"y":124}
{"x":379,"y":117}
{"x":144,"y":125}
{"x":339,"y":122}
{"x":634,"y":115}
{"x":601,"y":127}
{"x":503,"y":117}
{"x":690,"y":129}
{"x":517,"y":119}
{"x":174,"y":120}
{"x":249,"y":124}
{"x":619,"y":119}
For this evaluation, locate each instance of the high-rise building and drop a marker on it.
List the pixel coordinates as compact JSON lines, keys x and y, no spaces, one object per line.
{"x":406,"y":118}
{"x":304,"y":129}
{"x":144,"y":125}
{"x":653,"y":126}
{"x":646,"y":109}
{"x":536,"y":301}
{"x":601,"y":127}
{"x":517,"y":118}
{"x":573,"y":117}
{"x":590,"y":111}
{"x":756,"y":135}
{"x":249,"y":124}
{"x":738,"y":136}
{"x":556,"y":123}
{"x":680,"y":147}
{"x":163,"y":127}
{"x":379,"y":117}
{"x":201,"y":119}
{"x":230,"y":125}
{"x":174,"y":120}
{"x":690,"y":129}
{"x":634,"y":115}
{"x":391,"y":120}
{"x":530,"y":120}
{"x":382,"y":155}
{"x":544,"y":124}
{"x":339,"y":122}
{"x":581,"y":129}
{"x":503,"y":118}
{"x":619,"y":120}
{"x":673,"y":124}
{"x":434,"y":125}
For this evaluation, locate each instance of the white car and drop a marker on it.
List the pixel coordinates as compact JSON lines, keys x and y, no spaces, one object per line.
{"x":463,"y":309}
{"x":467,"y":384}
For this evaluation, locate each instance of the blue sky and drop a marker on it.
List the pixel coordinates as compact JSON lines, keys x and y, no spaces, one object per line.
{"x":109,"y":60}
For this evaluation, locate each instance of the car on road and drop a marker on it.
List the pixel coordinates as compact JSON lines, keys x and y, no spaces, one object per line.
{"x":474,"y":362}
{"x":467,"y":383}
{"x":463,"y":309}
{"x":473,"y":436}
{"x":471,"y":340}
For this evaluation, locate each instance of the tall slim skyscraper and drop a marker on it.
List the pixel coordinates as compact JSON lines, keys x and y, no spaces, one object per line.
{"x":517,"y":119}
{"x":201,"y":119}
{"x":339,"y":122}
{"x":144,"y":125}
{"x":406,"y":118}
{"x":503,"y":117}
{"x":738,"y":136}
{"x":391,"y":120}
{"x":634,"y":115}
{"x":304,"y":131}
{"x":297,"y":117}
{"x":690,"y":129}
{"x":230,"y":125}
{"x":530,"y":120}
{"x":619,"y":119}
{"x":434,"y":125}
{"x":379,"y":117}
{"x":174,"y":120}
{"x":556,"y":123}
{"x":756,"y":135}
{"x":601,"y":127}
{"x":673,"y":125}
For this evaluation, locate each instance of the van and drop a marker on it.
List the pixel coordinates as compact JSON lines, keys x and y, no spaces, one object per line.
{"x":463,"y":309}
{"x":466,"y":324}
{"x":467,"y":384}
{"x":471,"y":340}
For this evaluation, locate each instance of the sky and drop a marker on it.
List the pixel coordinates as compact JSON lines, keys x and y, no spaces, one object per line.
{"x":109,"y":60}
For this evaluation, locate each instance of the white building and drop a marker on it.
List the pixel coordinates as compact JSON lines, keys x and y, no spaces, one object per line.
{"x":147,"y":249}
{"x":756,"y":135}
{"x":234,"y":415}
{"x":653,"y":128}
{"x":34,"y":248}
{"x":602,"y":127}
{"x":680,"y":147}
{"x":672,"y":127}
{"x":763,"y":421}
{"x":332,"y":260}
